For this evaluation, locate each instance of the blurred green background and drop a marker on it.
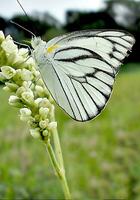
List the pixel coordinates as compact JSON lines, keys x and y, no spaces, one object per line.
{"x":101,"y":156}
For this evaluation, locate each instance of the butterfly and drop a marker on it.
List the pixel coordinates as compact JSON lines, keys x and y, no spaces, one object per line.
{"x":79,"y":68}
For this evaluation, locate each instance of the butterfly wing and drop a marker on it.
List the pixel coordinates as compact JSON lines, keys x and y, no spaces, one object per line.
{"x":82,"y":69}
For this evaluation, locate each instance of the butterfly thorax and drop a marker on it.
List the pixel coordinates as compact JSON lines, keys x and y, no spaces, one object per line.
{"x":42,"y":52}
{"x":39,"y":50}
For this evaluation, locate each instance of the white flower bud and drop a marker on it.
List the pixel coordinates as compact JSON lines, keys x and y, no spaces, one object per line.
{"x":28,"y":85}
{"x":30,"y":62}
{"x":20,"y":90}
{"x":12,"y":58}
{"x":28,"y":97}
{"x":37,"y":101}
{"x":45,"y":133}
{"x":2,"y":37}
{"x":15,"y":101}
{"x":39,"y":90}
{"x":43,"y":112}
{"x":52,"y":125}
{"x":18,"y":72}
{"x":25,"y":114}
{"x":23,"y":52}
{"x":12,"y":86}
{"x":43,"y":124}
{"x":26,"y":75}
{"x":35,"y":133}
{"x":2,"y":77}
{"x":8,"y":46}
{"x":8,"y":71}
{"x":18,"y":61}
{"x":45,"y":103}
{"x":7,"y":89}
{"x":37,"y":73}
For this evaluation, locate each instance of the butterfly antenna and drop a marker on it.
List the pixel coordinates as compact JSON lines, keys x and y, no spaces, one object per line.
{"x":27,"y":18}
{"x":23,"y":28}
{"x":22,"y":8}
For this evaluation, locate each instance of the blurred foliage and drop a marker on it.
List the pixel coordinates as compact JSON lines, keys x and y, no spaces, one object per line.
{"x":3,"y":23}
{"x":101,"y":156}
{"x":28,"y":23}
{"x":81,"y":20}
{"x":130,"y":9}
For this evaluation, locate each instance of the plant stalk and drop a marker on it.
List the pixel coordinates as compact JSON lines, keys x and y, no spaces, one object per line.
{"x":58,"y":171}
{"x":57,"y":158}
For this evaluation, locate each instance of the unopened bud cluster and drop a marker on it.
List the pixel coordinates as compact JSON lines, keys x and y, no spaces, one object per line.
{"x":28,"y":92}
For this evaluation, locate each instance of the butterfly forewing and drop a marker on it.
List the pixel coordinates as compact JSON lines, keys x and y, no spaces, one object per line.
{"x":82,"y":69}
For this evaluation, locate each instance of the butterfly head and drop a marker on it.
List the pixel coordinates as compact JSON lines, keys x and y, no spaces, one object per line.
{"x":36,"y":42}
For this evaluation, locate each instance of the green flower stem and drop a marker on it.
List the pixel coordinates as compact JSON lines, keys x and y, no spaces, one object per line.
{"x":53,"y":158}
{"x":57,"y":158}
{"x":57,"y":145}
{"x":58,"y":170}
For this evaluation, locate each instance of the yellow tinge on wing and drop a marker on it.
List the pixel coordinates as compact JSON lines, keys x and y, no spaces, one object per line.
{"x":50,"y":49}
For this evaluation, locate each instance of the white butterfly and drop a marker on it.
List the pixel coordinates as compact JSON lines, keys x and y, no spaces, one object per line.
{"x":79,"y":68}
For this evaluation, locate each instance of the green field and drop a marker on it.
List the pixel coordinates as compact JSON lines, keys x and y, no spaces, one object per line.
{"x":102,"y":157}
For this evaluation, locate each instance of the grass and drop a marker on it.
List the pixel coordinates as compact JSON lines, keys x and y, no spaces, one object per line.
{"x":101,"y":156}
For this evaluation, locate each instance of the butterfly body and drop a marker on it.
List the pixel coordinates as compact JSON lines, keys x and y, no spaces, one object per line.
{"x":79,"y":68}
